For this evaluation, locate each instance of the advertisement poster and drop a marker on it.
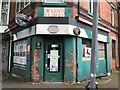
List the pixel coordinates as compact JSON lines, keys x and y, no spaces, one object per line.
{"x":20,"y":54}
{"x":54,"y":60}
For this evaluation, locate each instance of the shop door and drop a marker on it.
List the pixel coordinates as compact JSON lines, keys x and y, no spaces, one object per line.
{"x":53,"y":62}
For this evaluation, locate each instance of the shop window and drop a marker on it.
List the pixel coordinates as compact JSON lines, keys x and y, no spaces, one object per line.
{"x":113,"y":49}
{"x":86,"y":50}
{"x":21,"y":4}
{"x":53,"y":1}
{"x":101,"y":50}
{"x":20,"y":54}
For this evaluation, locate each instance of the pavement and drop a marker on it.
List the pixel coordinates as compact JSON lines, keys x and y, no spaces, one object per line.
{"x":107,"y":82}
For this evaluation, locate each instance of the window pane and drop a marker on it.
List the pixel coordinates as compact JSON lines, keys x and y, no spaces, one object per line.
{"x":113,"y":49}
{"x":54,"y":1}
{"x":101,"y":50}
{"x":86,"y":49}
{"x":4,"y":12}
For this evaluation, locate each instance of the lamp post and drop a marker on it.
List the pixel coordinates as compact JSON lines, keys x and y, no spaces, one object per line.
{"x":94,"y":45}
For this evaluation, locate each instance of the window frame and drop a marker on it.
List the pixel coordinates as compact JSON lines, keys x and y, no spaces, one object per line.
{"x":103,"y":50}
{"x":45,"y":1}
{"x":113,"y":49}
{"x":90,"y":6}
{"x":112,"y":15}
{"x":24,"y":5}
{"x":6,"y":13}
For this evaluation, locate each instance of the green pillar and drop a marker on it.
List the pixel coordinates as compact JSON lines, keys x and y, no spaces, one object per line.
{"x":79,"y":57}
{"x":70,"y":59}
{"x":37,"y":53}
{"x":108,"y":58}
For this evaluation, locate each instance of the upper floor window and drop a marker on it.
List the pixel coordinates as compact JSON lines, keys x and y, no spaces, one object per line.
{"x":4,"y":13}
{"x":112,"y":14}
{"x":90,"y":6}
{"x":53,"y":1}
{"x":20,"y":4}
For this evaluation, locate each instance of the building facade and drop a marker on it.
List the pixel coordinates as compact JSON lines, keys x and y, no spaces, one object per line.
{"x":4,"y":37}
{"x":55,"y":45}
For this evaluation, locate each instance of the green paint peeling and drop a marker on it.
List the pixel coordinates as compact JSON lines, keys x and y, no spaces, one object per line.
{"x":69,"y":50}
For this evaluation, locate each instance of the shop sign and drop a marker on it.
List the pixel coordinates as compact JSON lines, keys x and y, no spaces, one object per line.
{"x":54,"y":12}
{"x":53,"y":29}
{"x":87,"y":52}
{"x":21,"y":20}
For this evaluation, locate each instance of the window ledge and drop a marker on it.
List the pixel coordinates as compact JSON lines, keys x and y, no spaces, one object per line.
{"x":90,"y":14}
{"x":54,"y":4}
{"x":114,"y":26}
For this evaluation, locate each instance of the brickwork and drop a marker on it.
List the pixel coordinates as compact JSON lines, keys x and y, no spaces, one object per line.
{"x":104,"y":13}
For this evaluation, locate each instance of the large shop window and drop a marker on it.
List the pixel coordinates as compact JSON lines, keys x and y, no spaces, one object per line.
{"x":86,"y":49}
{"x":101,"y":50}
{"x":113,"y":49}
{"x":20,"y":54}
{"x":53,"y":1}
{"x":21,"y":4}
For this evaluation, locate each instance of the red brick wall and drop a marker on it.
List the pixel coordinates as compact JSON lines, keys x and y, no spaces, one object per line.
{"x":113,"y":62}
{"x":12,"y":11}
{"x":105,"y":11}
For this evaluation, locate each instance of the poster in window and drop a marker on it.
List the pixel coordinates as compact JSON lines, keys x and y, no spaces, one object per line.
{"x":54,"y":60}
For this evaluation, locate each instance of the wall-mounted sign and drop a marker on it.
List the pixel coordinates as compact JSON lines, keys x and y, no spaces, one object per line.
{"x":76,"y":31}
{"x":54,"y":12}
{"x":21,"y":20}
{"x":53,"y":29}
{"x":87,"y":52}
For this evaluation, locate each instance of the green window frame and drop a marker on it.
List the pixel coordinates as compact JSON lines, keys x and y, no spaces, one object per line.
{"x":53,"y":3}
{"x":90,"y":9}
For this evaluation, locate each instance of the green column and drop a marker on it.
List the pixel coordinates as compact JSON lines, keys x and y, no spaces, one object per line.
{"x":108,"y":58}
{"x":39,"y":57}
{"x":70,"y":59}
{"x":79,"y":57}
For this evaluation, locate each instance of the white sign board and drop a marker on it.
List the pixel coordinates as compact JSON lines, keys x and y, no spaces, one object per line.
{"x":87,"y":52}
{"x":54,"y":12}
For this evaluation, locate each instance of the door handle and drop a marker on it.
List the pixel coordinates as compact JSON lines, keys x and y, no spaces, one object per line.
{"x":45,"y":65}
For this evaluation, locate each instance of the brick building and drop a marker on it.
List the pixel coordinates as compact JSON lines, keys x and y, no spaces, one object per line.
{"x":4,"y":37}
{"x":56,"y":44}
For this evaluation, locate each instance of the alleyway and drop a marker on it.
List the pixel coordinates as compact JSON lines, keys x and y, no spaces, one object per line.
{"x":112,"y":81}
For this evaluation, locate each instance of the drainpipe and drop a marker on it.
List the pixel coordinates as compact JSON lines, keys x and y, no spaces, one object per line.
{"x":10,"y":47}
{"x":119,"y":31}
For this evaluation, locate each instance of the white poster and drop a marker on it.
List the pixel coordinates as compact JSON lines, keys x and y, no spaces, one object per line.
{"x":20,"y":56}
{"x":54,"y":60}
{"x":53,"y":65}
{"x":87,"y":52}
